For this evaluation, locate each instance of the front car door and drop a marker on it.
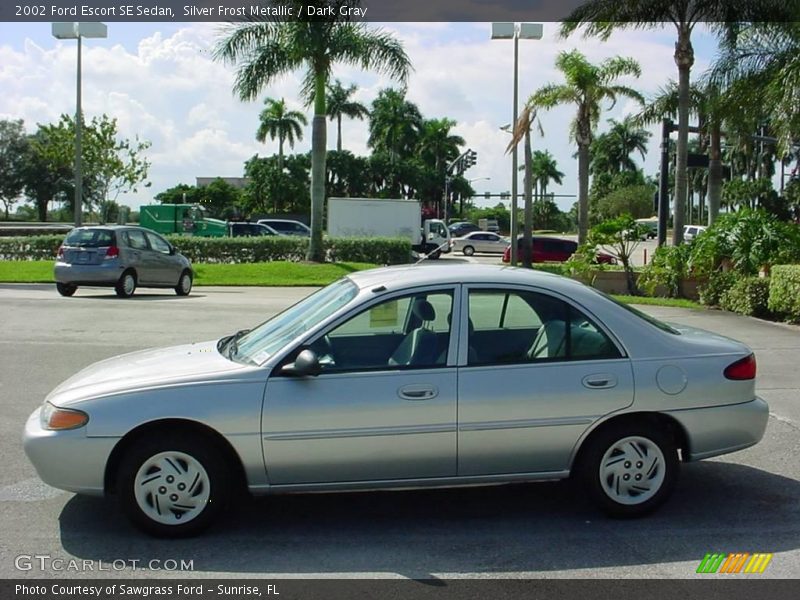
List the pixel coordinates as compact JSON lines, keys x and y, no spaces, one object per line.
{"x":164,"y":267}
{"x":538,"y":373}
{"x":382,"y":408}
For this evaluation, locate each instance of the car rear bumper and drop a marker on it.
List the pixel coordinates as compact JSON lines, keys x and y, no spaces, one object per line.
{"x":718,"y":430}
{"x":67,"y":460}
{"x":104,"y":274}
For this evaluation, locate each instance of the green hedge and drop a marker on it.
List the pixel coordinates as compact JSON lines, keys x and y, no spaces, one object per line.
{"x":381,"y":251}
{"x":719,"y":282}
{"x":32,"y":247}
{"x":747,"y":296}
{"x":784,"y":292}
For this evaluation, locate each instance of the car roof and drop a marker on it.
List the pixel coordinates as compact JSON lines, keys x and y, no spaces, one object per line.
{"x":402,"y":276}
{"x":281,"y":221}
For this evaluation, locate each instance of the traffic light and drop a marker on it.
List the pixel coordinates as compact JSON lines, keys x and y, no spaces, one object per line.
{"x":470,"y":158}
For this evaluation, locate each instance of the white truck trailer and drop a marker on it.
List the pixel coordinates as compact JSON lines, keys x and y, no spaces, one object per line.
{"x":382,"y":217}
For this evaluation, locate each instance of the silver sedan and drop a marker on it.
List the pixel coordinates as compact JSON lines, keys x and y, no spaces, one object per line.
{"x":404,"y":377}
{"x":480,"y":241}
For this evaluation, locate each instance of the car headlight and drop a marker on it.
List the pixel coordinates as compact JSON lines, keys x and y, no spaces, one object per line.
{"x":56,"y":419}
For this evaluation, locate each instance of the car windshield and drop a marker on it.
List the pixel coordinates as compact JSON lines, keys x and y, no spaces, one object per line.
{"x":644,"y":316}
{"x":89,"y":238}
{"x":256,"y":346}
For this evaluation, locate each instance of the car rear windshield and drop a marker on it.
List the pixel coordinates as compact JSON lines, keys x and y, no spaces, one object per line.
{"x":90,"y":238}
{"x":645,"y":317}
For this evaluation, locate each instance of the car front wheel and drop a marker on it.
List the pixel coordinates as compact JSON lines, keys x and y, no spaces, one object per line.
{"x":468,"y":251}
{"x":184,"y":286}
{"x":630,"y":471}
{"x":173,"y":488}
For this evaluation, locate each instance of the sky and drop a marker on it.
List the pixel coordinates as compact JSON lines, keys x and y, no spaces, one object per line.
{"x":160,"y":83}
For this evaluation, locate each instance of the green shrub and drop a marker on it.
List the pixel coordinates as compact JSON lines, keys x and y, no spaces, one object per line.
{"x":32,"y":247}
{"x":668,"y":268}
{"x":784,"y":292}
{"x":381,"y":251}
{"x":747,"y":296}
{"x":718,"y":283}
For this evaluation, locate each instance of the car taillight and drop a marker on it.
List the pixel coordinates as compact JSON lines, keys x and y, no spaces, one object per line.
{"x":60,"y":253}
{"x":112,"y":252}
{"x":742,"y":369}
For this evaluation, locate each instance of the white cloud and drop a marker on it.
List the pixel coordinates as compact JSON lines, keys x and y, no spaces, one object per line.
{"x":167,"y":89}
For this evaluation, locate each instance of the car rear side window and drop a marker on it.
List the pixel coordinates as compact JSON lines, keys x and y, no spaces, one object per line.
{"x":90,"y":238}
{"x":136,"y":240}
{"x":511,"y":327}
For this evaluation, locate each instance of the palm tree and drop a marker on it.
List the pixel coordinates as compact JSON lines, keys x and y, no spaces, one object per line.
{"x":587,"y":86}
{"x":437,"y":145}
{"x":340,"y":105}
{"x":711,"y":110}
{"x":602,"y":17}
{"x":394,"y":125}
{"x":625,"y":138}
{"x":275,"y":121}
{"x":764,"y":60}
{"x":263,"y":51}
{"x":544,"y":169}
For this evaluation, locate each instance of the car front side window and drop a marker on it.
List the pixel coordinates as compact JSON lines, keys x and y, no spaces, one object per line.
{"x":406,"y":332}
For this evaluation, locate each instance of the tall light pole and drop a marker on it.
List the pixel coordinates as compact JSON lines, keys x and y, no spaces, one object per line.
{"x":77,"y":31}
{"x":515,"y":31}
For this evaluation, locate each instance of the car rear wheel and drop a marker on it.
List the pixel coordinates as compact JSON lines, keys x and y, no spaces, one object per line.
{"x":630,"y":470}
{"x":126,"y":285}
{"x":66,"y":289}
{"x":468,"y":250}
{"x":184,"y":284}
{"x":175,"y":487}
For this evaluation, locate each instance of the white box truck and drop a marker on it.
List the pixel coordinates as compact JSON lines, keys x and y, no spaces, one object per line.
{"x":383,"y":217}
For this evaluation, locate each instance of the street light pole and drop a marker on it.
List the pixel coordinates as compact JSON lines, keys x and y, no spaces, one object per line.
{"x":77,"y":31}
{"x":78,"y":147}
{"x":515,"y":31}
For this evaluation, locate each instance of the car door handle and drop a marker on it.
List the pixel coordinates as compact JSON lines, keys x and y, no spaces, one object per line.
{"x":599,"y":381}
{"x":417,"y":392}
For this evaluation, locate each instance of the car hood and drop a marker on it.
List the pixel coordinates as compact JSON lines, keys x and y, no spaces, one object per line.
{"x":147,"y":369}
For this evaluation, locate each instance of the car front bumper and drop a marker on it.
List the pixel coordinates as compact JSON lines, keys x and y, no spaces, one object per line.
{"x":717,"y":430}
{"x":67,"y":460}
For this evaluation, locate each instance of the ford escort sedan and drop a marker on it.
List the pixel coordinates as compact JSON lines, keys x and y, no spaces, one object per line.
{"x":404,"y":377}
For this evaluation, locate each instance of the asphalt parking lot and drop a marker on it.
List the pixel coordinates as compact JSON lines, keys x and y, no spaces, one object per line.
{"x":744,"y":502}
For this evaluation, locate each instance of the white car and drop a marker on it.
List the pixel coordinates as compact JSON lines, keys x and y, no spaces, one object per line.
{"x":479,"y":241}
{"x":690,"y":232}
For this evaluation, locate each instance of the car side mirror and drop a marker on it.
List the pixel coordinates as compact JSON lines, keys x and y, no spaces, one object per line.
{"x":172,"y":250}
{"x":305,"y":365}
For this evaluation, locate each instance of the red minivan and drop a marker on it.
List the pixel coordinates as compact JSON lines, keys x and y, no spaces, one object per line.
{"x":553,"y":249}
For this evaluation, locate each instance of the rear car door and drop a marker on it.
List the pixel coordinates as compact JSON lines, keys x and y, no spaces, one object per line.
{"x":538,"y":372}
{"x":139,"y":257}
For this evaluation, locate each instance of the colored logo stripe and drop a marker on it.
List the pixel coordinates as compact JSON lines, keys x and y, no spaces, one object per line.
{"x":734,"y":563}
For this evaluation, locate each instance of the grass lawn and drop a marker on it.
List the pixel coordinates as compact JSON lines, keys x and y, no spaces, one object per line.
{"x":263,"y":274}
{"x":674,"y":302}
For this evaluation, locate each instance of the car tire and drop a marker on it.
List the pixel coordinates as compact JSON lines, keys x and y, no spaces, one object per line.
{"x":66,"y":289}
{"x":184,"y":286}
{"x":468,"y":250}
{"x":173,"y":487}
{"x":629,"y":470}
{"x":126,"y":284}
{"x":435,"y":255}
